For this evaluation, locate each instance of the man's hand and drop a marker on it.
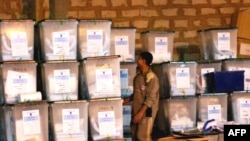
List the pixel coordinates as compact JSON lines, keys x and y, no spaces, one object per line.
{"x":139,"y":116}
{"x":126,"y":101}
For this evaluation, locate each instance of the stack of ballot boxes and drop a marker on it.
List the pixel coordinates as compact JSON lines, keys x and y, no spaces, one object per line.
{"x":59,"y":72}
{"x":178,"y":99}
{"x":24,"y":115}
{"x":122,"y":43}
{"x":102,"y":87}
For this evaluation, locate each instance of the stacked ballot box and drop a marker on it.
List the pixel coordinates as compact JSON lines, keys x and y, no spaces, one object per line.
{"x":122,"y":42}
{"x":60,"y":80}
{"x":239,"y":105}
{"x":100,"y":77}
{"x":127,"y":75}
{"x":18,"y":82}
{"x":17,"y":40}
{"x":68,"y":120}
{"x":177,"y":114}
{"x":218,"y":43}
{"x":212,"y":106}
{"x":58,"y":39}
{"x":93,"y":38}
{"x":24,"y":121}
{"x":160,"y":44}
{"x":182,"y":78}
{"x":106,"y":119}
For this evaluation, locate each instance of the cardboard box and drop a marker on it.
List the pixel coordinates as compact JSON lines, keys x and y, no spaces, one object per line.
{"x":243,"y":48}
{"x":241,"y":20}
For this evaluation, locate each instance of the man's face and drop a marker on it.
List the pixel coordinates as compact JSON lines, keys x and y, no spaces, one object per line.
{"x":140,"y":61}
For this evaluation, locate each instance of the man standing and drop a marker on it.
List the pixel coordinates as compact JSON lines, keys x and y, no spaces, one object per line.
{"x":145,"y":99}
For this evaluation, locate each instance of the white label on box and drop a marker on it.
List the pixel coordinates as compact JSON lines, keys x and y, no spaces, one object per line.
{"x":214,"y":112}
{"x":31,"y":122}
{"x":104,"y":80}
{"x":71,"y":120}
{"x":121,"y":45}
{"x":203,"y":72}
{"x":182,"y":78}
{"x":94,"y":41}
{"x":18,"y":82}
{"x":161,"y":45}
{"x":19,"y":44}
{"x":60,"y":43}
{"x":62,"y":81}
{"x":224,"y":41}
{"x":244,"y":49}
{"x":244,"y":108}
{"x":124,"y":78}
{"x":106,"y":122}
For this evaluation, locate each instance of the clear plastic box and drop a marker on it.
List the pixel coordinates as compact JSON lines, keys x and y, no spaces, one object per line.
{"x":58,"y":39}
{"x":239,"y":104}
{"x":17,"y":40}
{"x":101,"y":77}
{"x":182,"y":78}
{"x":212,"y":106}
{"x":238,"y":65}
{"x":127,"y":110}
{"x":127,"y":74}
{"x":161,"y":71}
{"x":18,"y":78}
{"x":204,"y":67}
{"x":93,"y":38}
{"x":25,"y":121}
{"x":160,"y":44}
{"x":60,"y":80}
{"x":123,"y":43}
{"x":69,"y":120}
{"x":106,"y":119}
{"x":177,"y":114}
{"x":222,"y":43}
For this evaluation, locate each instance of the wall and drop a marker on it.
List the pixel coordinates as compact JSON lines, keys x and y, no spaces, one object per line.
{"x":184,"y":17}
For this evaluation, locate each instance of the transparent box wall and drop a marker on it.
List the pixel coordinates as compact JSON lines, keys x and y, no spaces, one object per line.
{"x":127,"y":74}
{"x":101,"y":77}
{"x":122,"y":42}
{"x":161,"y":71}
{"x":212,"y":106}
{"x":182,"y":78}
{"x":239,"y":104}
{"x":18,"y":78}
{"x":176,"y":114}
{"x":239,"y":65}
{"x":93,"y":38}
{"x":126,"y":111}
{"x":106,"y":119}
{"x":204,"y":67}
{"x":60,"y":80}
{"x":58,"y":39}
{"x":203,"y":44}
{"x":160,"y":44}
{"x":17,"y":40}
{"x":69,"y":120}
{"x":26,"y":121}
{"x":222,"y":43}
